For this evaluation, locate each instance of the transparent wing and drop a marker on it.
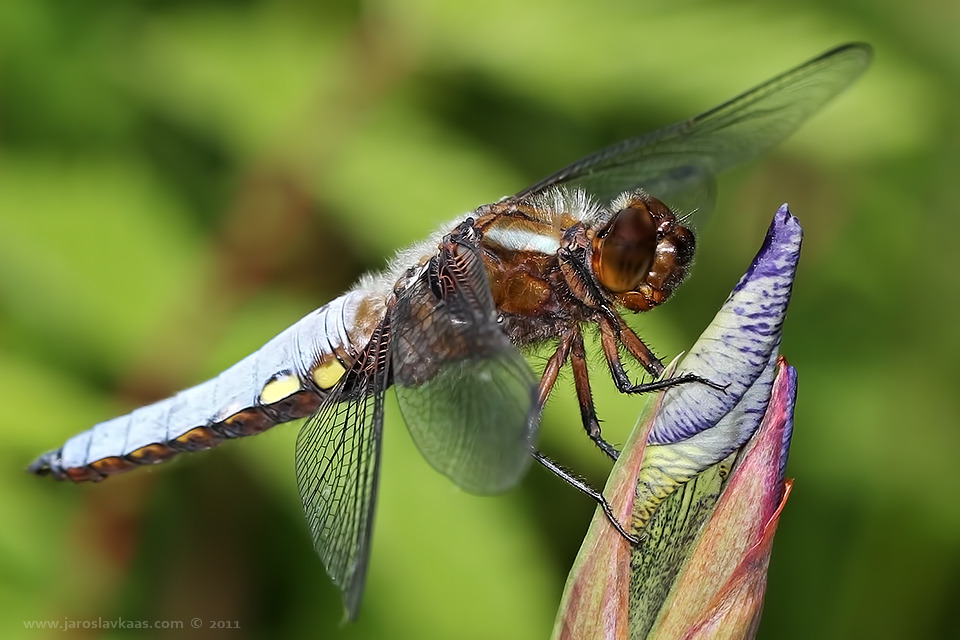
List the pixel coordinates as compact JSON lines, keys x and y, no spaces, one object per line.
{"x":337,"y":462}
{"x":466,"y":394}
{"x":677,"y":164}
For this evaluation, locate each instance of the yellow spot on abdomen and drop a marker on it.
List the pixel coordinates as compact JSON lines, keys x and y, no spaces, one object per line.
{"x":279,"y":388}
{"x":327,"y":374}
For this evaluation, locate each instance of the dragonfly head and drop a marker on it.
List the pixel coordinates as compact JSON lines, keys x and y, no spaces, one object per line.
{"x":642,"y":253}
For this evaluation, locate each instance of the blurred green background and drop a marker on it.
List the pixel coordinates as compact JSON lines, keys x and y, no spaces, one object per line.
{"x":179,"y":181}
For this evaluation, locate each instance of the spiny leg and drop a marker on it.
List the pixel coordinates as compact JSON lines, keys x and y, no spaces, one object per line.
{"x":583,"y":487}
{"x":550,"y":373}
{"x":547,"y":382}
{"x":611,"y":334}
{"x":634,"y":345}
{"x":581,"y":380}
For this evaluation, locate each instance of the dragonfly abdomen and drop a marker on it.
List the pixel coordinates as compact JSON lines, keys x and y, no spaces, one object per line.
{"x":286,"y":379}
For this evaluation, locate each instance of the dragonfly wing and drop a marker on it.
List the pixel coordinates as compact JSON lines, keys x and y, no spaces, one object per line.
{"x":676,"y":162}
{"x":338,"y":462}
{"x":465,"y":392}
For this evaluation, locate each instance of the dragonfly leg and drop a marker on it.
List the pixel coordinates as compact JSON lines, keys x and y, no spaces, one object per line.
{"x":571,"y":345}
{"x":611,"y":335}
{"x":551,"y":372}
{"x":616,"y":330}
{"x":583,"y":487}
{"x":581,"y":380}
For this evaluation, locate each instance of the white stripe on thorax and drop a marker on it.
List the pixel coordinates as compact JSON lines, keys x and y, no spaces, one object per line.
{"x":520,"y":239}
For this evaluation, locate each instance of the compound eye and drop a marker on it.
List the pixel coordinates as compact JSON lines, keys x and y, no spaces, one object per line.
{"x":623,"y":251}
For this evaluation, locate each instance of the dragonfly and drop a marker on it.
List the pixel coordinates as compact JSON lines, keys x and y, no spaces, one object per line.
{"x":447,"y":322}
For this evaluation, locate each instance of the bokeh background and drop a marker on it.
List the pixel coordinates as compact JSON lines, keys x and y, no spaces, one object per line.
{"x":179,"y":181}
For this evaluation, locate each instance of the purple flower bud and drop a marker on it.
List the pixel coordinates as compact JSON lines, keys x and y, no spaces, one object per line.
{"x":701,"y":479}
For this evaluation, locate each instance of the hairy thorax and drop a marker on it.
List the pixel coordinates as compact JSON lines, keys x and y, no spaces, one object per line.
{"x":529,"y":289}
